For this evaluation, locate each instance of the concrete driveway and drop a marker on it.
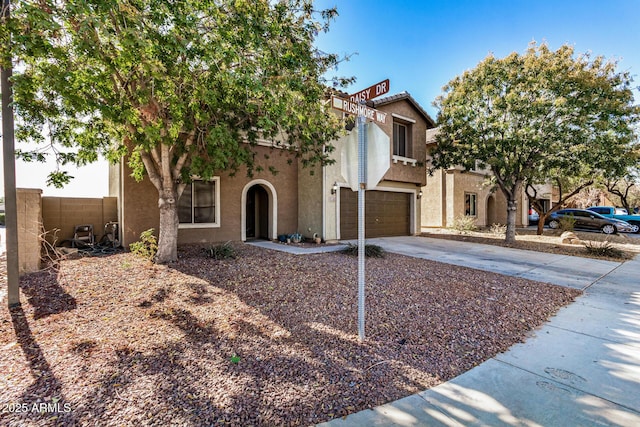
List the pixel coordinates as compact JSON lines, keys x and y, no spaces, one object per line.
{"x":562,"y":270}
{"x":582,"y":368}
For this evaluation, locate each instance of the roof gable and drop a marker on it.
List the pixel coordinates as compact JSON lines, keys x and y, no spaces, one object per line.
{"x":403,"y":96}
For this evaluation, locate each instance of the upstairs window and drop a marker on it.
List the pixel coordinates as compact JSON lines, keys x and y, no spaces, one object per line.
{"x":199,"y":205}
{"x":401,"y":139}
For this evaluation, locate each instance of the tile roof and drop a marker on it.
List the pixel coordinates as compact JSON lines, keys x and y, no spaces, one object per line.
{"x":399,"y":97}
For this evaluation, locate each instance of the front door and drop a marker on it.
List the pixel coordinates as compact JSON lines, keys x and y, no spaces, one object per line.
{"x":257,"y":213}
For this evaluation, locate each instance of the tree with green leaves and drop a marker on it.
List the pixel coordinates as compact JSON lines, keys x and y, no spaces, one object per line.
{"x":178,"y":89}
{"x":565,"y":188}
{"x":532,"y":117}
{"x":627,"y":188}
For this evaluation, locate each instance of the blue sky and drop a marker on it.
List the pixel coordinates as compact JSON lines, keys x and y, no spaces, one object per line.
{"x":421,"y":45}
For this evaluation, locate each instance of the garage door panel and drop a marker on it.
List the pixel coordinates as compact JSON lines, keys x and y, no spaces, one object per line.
{"x":386,"y":214}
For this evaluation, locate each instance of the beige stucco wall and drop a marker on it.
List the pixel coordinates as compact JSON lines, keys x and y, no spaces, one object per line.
{"x":65,"y":213}
{"x":310,"y":201}
{"x":139,"y":209}
{"x":434,"y":196}
{"x":444,"y":200}
{"x":29,"y":216}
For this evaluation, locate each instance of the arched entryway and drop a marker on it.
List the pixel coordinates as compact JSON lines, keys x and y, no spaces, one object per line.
{"x":259,"y":211}
{"x":492,"y":217}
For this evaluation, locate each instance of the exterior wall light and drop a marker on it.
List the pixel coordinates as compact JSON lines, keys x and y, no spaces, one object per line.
{"x":334,"y":189}
{"x":419,"y":195}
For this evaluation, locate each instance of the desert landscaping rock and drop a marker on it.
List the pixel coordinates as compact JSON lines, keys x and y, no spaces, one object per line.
{"x":266,"y":339}
{"x":569,"y":238}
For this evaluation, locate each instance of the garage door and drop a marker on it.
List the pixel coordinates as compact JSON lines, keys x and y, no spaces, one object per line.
{"x":386,"y":214}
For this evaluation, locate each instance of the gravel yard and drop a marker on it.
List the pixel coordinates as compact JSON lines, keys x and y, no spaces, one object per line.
{"x":265,"y":339}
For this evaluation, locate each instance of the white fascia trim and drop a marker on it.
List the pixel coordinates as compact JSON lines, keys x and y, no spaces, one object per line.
{"x":406,"y":119}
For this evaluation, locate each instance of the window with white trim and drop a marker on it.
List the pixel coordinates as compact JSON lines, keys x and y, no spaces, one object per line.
{"x":401,"y":139}
{"x":199,"y":205}
{"x":470,"y":204}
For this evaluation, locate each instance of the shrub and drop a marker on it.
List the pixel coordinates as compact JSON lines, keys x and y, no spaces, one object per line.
{"x":370,"y":251}
{"x":147,"y":246}
{"x":223,"y":251}
{"x":566,"y":223}
{"x":498,"y":229}
{"x":604,"y":248}
{"x":464,"y":224}
{"x":1,"y":219}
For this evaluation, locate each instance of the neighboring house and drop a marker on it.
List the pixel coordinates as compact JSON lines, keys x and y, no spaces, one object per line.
{"x":453,"y":193}
{"x":266,"y":205}
{"x":546,"y":194}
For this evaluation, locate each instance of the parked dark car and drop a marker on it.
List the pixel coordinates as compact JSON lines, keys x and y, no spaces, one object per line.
{"x":588,"y":220}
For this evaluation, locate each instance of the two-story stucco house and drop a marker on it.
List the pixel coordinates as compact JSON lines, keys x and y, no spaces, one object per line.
{"x":240,"y":208}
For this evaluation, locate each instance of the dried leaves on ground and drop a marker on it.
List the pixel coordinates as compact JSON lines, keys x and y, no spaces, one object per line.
{"x":265,"y":339}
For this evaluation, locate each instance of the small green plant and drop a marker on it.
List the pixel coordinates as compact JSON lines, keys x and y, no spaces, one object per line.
{"x":464,"y":224}
{"x":2,"y":219}
{"x":235,"y":359}
{"x":604,"y":248}
{"x":498,"y":229}
{"x":370,"y":251}
{"x":223,"y":251}
{"x":147,"y":246}
{"x":567,"y":223}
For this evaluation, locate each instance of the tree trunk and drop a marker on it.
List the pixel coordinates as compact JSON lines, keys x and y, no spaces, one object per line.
{"x":541,"y":221}
{"x":512,"y":208}
{"x":168,"y":233}
{"x":157,"y":163}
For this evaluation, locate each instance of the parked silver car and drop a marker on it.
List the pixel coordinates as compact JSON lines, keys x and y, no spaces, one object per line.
{"x":588,"y":220}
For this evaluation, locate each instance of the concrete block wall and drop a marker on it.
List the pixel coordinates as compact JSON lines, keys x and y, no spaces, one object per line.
{"x":65,"y":213}
{"x":29,"y":215}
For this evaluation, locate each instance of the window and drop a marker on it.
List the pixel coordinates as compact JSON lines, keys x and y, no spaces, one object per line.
{"x":199,"y":205}
{"x":470,"y":204}
{"x":401,"y":139}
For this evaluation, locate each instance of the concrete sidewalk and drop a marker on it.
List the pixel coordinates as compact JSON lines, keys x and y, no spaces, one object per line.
{"x":297,"y":250}
{"x":580,"y":369}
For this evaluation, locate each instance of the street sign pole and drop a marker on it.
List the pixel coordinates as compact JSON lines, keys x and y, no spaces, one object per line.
{"x":362,"y":178}
{"x":357,"y":104}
